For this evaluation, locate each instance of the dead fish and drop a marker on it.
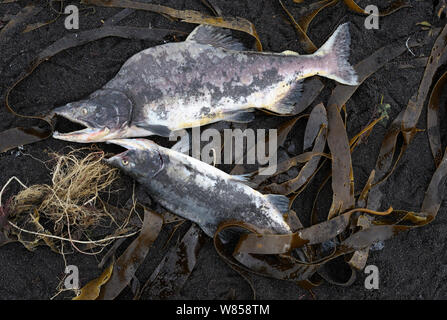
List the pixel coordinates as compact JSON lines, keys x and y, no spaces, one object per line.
{"x":207,"y":78}
{"x":198,"y":191}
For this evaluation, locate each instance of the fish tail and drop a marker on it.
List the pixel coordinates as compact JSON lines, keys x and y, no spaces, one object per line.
{"x":335,"y":54}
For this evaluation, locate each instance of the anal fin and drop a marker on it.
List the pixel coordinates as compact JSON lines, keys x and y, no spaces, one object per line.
{"x":287,"y":104}
{"x":159,"y":130}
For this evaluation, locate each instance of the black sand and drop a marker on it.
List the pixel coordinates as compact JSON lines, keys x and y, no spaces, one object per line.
{"x":412,"y":265}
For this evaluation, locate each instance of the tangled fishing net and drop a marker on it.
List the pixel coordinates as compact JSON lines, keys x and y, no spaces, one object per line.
{"x":70,"y":209}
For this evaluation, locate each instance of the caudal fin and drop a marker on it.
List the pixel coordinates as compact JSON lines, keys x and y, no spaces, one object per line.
{"x":336,"y":53}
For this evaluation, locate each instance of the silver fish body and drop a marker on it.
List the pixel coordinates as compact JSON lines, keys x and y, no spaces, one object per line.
{"x":205,"y":79}
{"x":197,"y":191}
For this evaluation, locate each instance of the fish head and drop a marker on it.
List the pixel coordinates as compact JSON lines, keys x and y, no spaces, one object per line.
{"x":142,"y":160}
{"x":105,"y":114}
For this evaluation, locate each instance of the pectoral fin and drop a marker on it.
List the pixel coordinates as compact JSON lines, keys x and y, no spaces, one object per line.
{"x":287,"y":104}
{"x":156,"y":129}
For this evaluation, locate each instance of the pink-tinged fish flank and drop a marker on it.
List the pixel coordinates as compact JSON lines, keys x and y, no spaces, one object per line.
{"x":209,"y":78}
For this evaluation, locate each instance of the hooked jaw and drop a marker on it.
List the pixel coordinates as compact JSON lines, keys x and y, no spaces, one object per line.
{"x":84,"y":135}
{"x":89,"y":134}
{"x":92,"y":133}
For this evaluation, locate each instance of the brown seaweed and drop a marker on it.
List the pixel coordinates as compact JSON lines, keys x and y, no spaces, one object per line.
{"x":433,"y":121}
{"x":305,"y":41}
{"x":18,"y":22}
{"x":189,"y":16}
{"x":270,"y":255}
{"x":92,"y":289}
{"x":316,"y":126}
{"x":173,"y":271}
{"x":395,"y":6}
{"x":127,"y":264}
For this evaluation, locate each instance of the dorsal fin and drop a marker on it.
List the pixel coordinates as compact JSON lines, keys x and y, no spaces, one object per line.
{"x":287,"y":104}
{"x":215,"y":36}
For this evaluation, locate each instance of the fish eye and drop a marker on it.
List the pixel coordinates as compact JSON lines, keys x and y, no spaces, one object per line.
{"x":84,"y":111}
{"x":125,"y":162}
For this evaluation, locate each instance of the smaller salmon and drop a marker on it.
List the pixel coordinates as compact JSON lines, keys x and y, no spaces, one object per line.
{"x":197,"y":191}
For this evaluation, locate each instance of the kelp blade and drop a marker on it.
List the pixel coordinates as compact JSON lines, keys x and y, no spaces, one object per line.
{"x":92,"y":289}
{"x":433,"y":121}
{"x":305,"y":41}
{"x":20,"y":136}
{"x":127,"y":264}
{"x":395,"y":6}
{"x":316,"y":129}
{"x":189,"y":16}
{"x":177,"y":265}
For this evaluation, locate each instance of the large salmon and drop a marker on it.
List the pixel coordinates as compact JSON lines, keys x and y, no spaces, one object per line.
{"x":206,"y":78}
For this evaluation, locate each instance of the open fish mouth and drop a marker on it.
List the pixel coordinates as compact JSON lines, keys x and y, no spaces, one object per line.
{"x":128,"y":144}
{"x":84,"y":135}
{"x":88,"y":134}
